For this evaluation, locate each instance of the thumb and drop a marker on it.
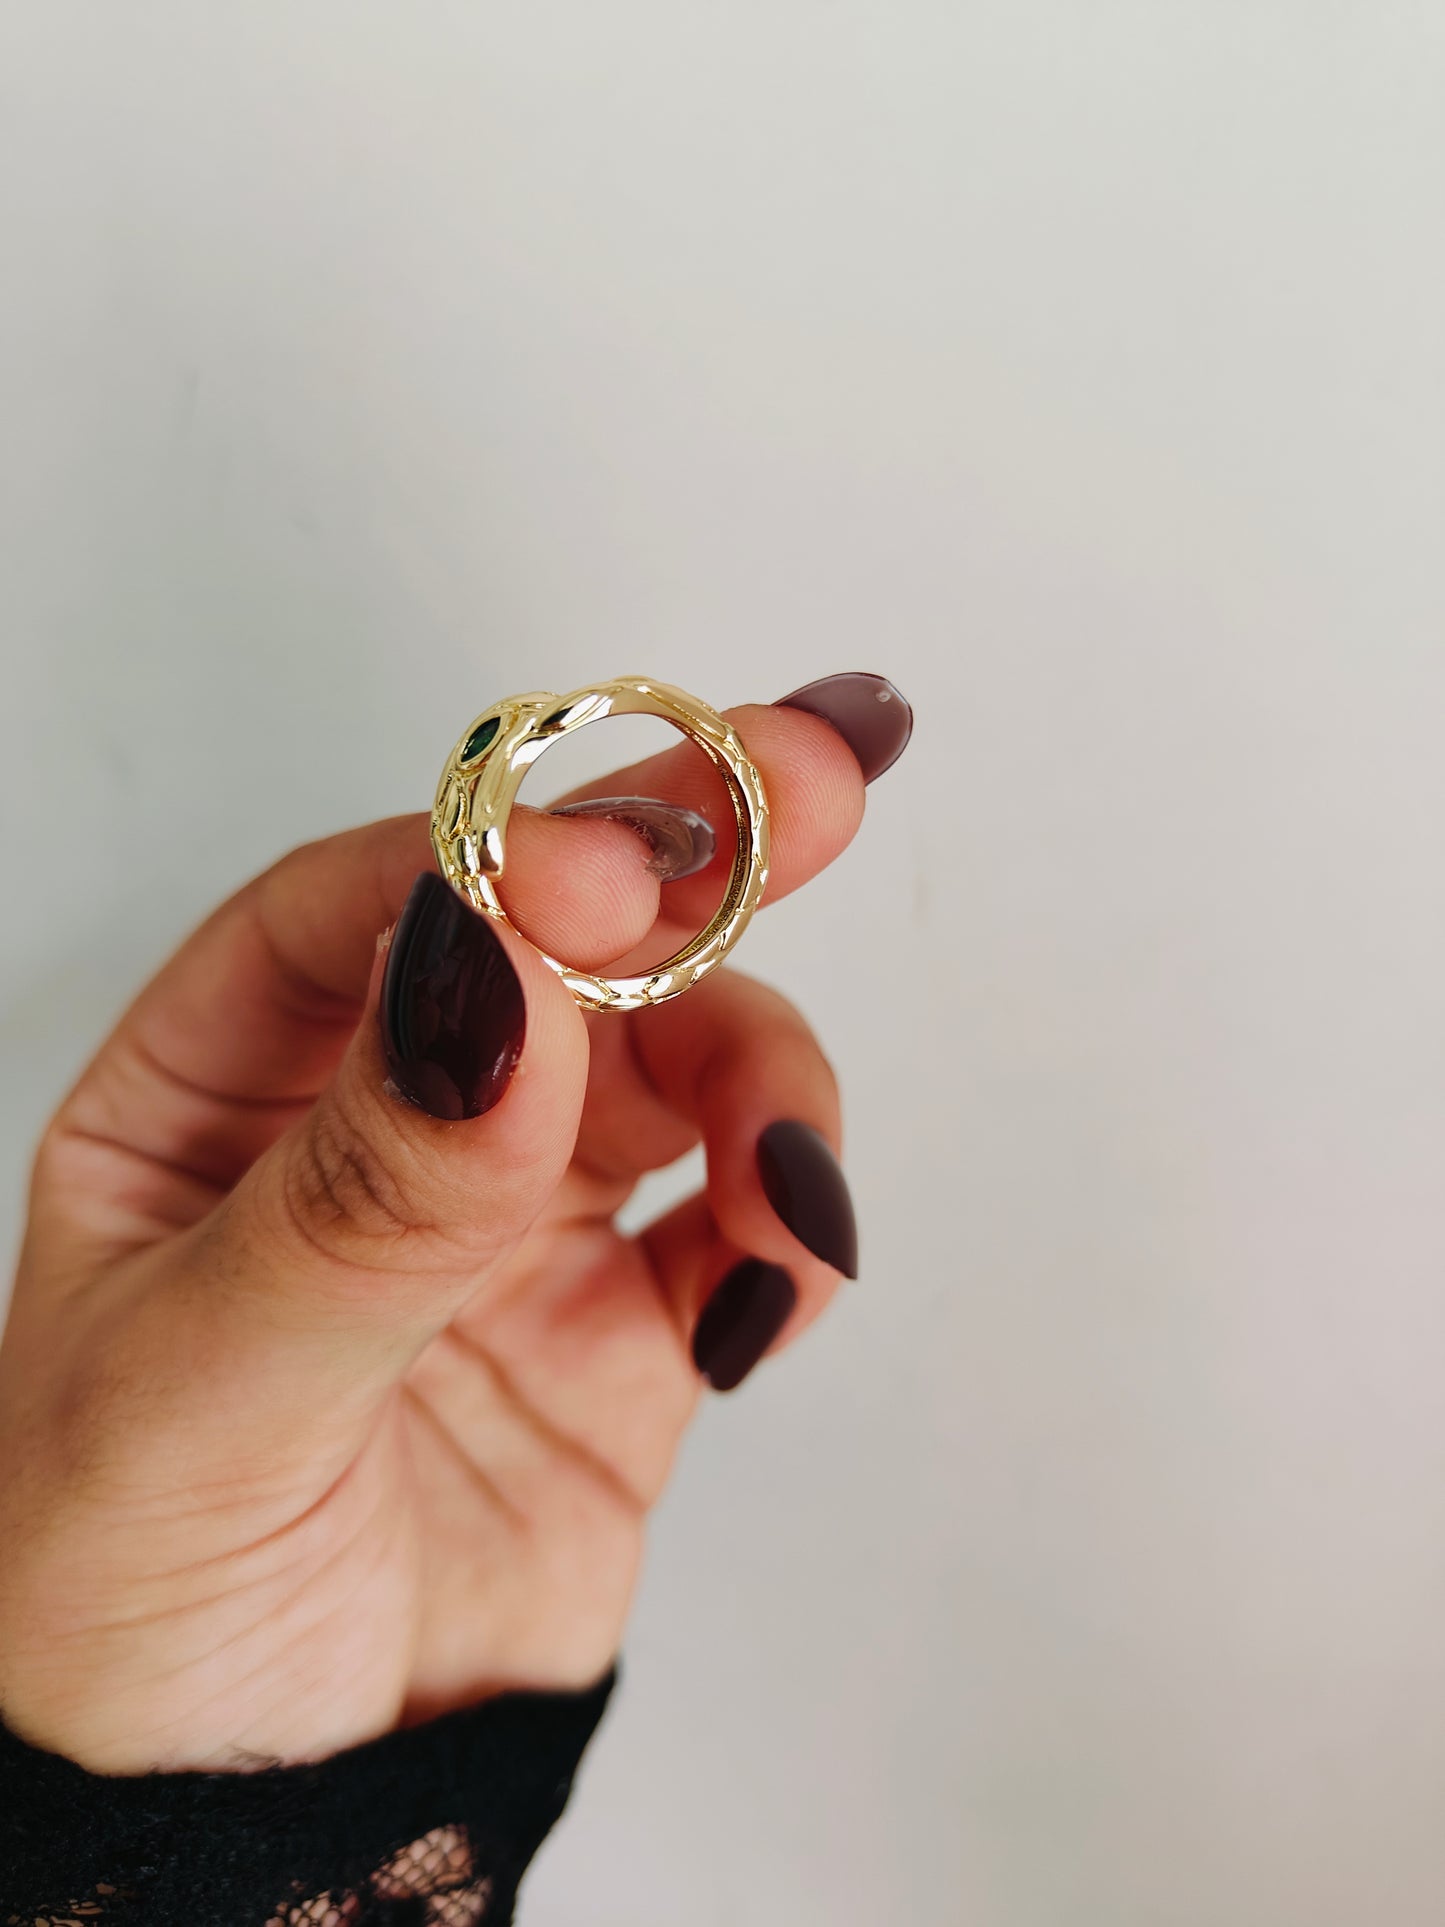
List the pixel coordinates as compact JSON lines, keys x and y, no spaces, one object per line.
{"x":447,"y":1126}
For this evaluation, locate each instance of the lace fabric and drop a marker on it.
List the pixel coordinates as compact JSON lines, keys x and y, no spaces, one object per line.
{"x":435,"y":1879}
{"x":432,"y":1827}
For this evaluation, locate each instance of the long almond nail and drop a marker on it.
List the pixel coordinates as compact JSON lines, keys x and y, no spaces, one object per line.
{"x":871,"y":714}
{"x":453,"y":1016}
{"x":739,"y":1322}
{"x":805,"y":1185}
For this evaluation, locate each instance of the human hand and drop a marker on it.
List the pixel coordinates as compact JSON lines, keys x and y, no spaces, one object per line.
{"x":321,"y":1411}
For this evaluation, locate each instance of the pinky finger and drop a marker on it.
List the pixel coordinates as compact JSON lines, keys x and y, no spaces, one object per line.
{"x":734,"y":1309}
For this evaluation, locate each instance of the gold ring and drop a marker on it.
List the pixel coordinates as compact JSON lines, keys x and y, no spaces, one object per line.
{"x":484,"y":772}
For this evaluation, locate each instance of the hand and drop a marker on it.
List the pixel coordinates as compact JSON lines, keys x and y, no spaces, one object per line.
{"x":319,"y":1412}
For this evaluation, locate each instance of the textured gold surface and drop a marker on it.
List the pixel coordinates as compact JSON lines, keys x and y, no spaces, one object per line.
{"x":474,"y":801}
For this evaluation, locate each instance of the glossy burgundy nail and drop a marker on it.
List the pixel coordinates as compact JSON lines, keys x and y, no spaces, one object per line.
{"x":681,"y":841}
{"x":871,"y":714}
{"x":805,"y":1185}
{"x":453,"y":1017}
{"x":739,"y":1322}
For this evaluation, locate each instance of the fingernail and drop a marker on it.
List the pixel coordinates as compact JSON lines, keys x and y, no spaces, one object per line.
{"x":452,"y":1015}
{"x":870,"y":713}
{"x":739,"y":1322}
{"x":805,"y":1185}
{"x":681,"y":841}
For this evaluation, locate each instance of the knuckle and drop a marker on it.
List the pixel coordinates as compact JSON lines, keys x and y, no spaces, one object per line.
{"x":346,"y":1198}
{"x":770,"y":1013}
{"x":789,"y":1050}
{"x":54,"y":1157}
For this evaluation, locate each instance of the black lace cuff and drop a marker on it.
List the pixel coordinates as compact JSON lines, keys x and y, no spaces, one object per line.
{"x":433,"y":1825}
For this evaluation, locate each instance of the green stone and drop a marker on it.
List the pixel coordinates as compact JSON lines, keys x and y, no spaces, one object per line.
{"x":481,"y":738}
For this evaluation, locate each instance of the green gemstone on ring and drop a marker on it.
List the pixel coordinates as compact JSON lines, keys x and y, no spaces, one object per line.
{"x":481,"y":738}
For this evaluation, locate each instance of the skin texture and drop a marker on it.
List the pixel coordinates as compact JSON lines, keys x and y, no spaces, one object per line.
{"x":318,"y":1413}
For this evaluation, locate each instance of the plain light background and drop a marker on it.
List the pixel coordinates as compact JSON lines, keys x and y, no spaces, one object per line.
{"x":1079,"y":365}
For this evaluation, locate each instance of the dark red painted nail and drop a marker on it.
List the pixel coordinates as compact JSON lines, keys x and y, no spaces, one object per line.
{"x":805,"y":1185}
{"x":739,"y":1322}
{"x":870,"y":713}
{"x":453,"y":1017}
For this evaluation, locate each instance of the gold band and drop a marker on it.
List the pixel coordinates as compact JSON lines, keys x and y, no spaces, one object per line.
{"x":484,"y":772}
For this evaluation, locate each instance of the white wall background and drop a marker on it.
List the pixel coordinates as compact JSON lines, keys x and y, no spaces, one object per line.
{"x":1079,"y":364}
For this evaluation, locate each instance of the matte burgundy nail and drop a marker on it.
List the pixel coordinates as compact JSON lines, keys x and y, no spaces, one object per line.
{"x":871,"y":714}
{"x":453,"y":1016}
{"x":739,"y":1322}
{"x":681,"y":841}
{"x":805,"y":1185}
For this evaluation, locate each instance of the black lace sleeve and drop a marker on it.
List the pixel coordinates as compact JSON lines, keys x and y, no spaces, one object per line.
{"x":433,"y":1825}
